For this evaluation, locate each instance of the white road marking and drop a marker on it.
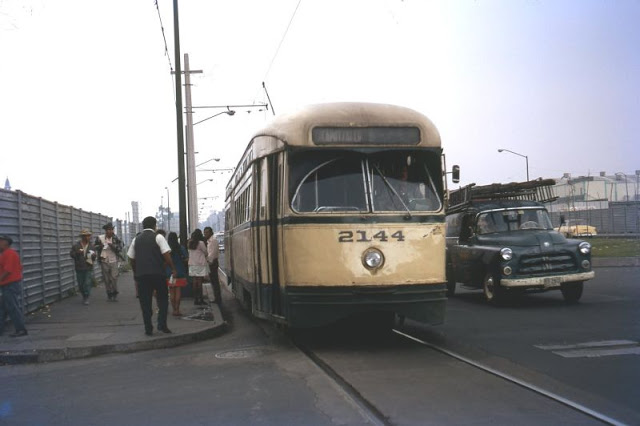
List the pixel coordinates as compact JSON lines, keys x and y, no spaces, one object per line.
{"x":596,"y":344}
{"x":594,"y":349}
{"x":595,"y":353}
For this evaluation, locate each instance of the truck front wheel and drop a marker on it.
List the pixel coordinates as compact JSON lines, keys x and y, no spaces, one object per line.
{"x":451,"y":282}
{"x":572,"y":291}
{"x":493,"y":292}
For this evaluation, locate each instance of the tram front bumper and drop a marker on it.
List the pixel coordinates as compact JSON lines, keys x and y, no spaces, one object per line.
{"x":316,"y":306}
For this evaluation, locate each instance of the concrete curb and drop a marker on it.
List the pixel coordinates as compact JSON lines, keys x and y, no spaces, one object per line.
{"x":601,"y":262}
{"x":160,"y":341}
{"x":69,"y":353}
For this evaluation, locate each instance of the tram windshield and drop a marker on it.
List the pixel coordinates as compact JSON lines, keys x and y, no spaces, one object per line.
{"x":389,"y":181}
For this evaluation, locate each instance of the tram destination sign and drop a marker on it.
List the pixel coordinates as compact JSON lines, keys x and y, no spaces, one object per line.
{"x":365,"y":135}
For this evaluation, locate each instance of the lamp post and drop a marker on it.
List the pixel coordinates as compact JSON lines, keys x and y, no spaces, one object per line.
{"x":162,"y":210}
{"x":208,"y":161}
{"x":192,"y":191}
{"x":168,"y":210}
{"x":519,"y":155}
{"x":228,"y":112}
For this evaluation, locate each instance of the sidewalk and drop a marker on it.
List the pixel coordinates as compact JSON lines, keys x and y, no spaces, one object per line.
{"x":69,"y":330}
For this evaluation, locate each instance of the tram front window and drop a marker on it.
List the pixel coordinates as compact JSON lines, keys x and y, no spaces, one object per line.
{"x":335,"y":186}
{"x":380,"y":182}
{"x":401,"y":182}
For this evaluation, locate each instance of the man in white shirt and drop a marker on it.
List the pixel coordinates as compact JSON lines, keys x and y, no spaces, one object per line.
{"x":213,"y":253}
{"x":109,"y":248}
{"x":148,"y":254}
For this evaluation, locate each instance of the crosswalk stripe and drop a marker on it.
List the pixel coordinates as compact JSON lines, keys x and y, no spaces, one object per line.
{"x":596,"y":344}
{"x":594,"y":349}
{"x":595,"y":353}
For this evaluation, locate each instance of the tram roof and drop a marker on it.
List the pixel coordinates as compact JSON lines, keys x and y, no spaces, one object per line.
{"x":295,"y":129}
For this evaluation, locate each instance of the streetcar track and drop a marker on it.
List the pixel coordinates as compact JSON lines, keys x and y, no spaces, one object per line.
{"x":375,"y":416}
{"x":366,"y":408}
{"x":529,"y":386}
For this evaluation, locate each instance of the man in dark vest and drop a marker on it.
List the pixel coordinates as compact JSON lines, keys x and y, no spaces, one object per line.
{"x":148,"y":254}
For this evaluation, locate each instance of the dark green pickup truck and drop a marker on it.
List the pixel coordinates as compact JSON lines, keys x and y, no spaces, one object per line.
{"x":500,"y":239}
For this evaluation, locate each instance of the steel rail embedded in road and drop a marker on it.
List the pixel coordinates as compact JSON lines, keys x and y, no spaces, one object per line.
{"x":366,"y":408}
{"x":564,"y":401}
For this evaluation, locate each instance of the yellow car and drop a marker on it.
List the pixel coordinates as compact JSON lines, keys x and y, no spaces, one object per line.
{"x":577,"y":228}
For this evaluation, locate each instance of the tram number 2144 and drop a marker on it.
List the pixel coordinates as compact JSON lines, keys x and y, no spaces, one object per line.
{"x":366,"y":237}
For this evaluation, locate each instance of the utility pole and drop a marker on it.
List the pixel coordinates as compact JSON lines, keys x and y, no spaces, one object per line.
{"x":181,"y":180}
{"x":192,"y":191}
{"x":168,"y":209}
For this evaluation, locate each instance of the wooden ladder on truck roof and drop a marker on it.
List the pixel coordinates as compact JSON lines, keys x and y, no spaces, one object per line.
{"x":540,"y":190}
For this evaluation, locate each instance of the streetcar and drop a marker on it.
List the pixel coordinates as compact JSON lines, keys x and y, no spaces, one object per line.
{"x":338,"y":210}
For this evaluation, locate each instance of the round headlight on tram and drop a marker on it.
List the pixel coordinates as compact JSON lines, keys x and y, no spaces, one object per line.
{"x":372,"y":259}
{"x":585,"y":247}
{"x":506,"y":253}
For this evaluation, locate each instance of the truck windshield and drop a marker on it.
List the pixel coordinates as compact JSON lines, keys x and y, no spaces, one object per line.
{"x":389,"y":181}
{"x":512,"y":220}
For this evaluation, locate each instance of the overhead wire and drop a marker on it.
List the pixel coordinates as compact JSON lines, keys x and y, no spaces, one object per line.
{"x":286,"y":31}
{"x":166,"y":49}
{"x":284,"y":35}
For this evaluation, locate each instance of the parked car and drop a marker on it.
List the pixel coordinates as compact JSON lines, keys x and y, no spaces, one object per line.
{"x":505,"y":245}
{"x":576,"y":228}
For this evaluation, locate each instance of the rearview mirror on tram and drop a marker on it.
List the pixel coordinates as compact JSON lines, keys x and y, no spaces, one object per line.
{"x":455,"y":174}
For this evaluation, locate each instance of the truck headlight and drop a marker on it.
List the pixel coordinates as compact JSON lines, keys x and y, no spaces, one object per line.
{"x":506,"y":253}
{"x":372,"y":259}
{"x":585,"y":247}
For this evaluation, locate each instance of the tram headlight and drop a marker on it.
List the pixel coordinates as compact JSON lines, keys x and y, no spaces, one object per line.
{"x":372,"y":259}
{"x":506,"y":253}
{"x":585,"y":247}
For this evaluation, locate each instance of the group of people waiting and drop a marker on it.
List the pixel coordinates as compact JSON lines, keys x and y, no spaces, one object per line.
{"x":161,"y":266}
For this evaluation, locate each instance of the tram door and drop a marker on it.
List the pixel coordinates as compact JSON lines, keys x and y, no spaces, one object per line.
{"x":265,"y":236}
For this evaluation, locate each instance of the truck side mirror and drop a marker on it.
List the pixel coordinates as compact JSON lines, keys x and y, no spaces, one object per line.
{"x":455,"y":174}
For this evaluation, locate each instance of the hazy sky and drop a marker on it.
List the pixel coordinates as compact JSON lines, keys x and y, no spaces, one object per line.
{"x":88,"y":112}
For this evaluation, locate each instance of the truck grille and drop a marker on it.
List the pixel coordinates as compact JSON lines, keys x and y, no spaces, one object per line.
{"x":548,"y":263}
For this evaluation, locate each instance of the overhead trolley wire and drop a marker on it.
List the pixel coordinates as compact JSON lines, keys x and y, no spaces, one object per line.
{"x":284,"y":35}
{"x":166,"y":49}
{"x":286,"y":31}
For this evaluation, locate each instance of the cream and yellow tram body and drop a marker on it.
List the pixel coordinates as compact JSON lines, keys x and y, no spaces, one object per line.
{"x":337,"y":210}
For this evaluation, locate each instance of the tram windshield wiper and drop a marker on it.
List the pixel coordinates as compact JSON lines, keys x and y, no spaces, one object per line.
{"x":388,"y":184}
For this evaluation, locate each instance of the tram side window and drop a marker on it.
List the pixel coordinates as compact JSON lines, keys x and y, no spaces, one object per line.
{"x":336,"y":186}
{"x":242,"y":207}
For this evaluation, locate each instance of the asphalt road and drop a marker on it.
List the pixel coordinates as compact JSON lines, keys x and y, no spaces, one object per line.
{"x":243,"y":377}
{"x":255,"y":375}
{"x":588,"y":351}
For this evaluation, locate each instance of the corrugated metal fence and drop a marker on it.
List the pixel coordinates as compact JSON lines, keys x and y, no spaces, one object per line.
{"x":620,"y":218}
{"x":43,"y":233}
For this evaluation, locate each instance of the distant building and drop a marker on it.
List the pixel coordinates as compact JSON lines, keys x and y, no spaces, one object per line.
{"x":7,"y":185}
{"x":595,"y":192}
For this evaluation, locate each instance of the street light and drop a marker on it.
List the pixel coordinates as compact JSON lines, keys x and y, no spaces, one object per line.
{"x":520,"y":155}
{"x":192,"y":192}
{"x":168,"y":210}
{"x":206,"y":180}
{"x":208,"y":161}
{"x":228,"y":112}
